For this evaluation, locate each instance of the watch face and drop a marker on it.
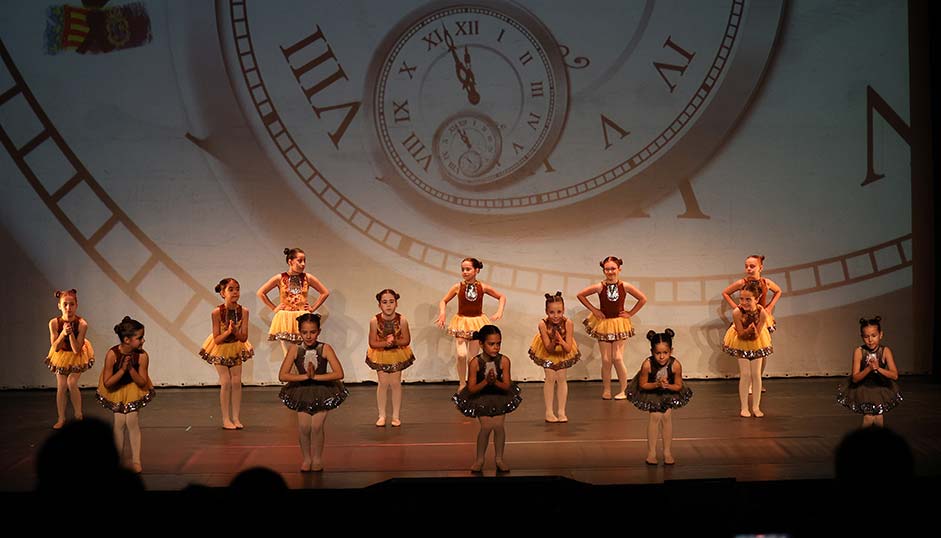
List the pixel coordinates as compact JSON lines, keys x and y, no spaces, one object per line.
{"x":680,"y":136}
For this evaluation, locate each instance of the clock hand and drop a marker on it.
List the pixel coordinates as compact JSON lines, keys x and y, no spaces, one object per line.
{"x":464,"y":73}
{"x":463,"y":135}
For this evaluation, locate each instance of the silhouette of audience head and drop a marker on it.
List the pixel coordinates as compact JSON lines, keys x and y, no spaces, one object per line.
{"x":874,"y":454}
{"x":258,"y":481}
{"x":83,"y":455}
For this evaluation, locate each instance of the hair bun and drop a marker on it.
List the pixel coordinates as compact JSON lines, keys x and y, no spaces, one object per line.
{"x":878,"y":319}
{"x":651,"y":335}
{"x":669,"y":332}
{"x":862,"y":321}
{"x":475,"y":335}
{"x":558,"y":294}
{"x":287,"y":251}
{"x":547,"y":296}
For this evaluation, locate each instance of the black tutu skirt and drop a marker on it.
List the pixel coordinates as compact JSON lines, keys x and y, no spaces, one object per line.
{"x":874,"y":395}
{"x":659,"y":400}
{"x":488,"y":402}
{"x":313,"y":396}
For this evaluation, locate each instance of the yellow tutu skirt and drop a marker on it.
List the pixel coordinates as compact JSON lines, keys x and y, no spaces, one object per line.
{"x":747,"y":349}
{"x":390,"y":360}
{"x":125,"y":399}
{"x":554,"y":360}
{"x":227,"y":354}
{"x":609,"y":329}
{"x":284,"y":326}
{"x":70,"y":362}
{"x":464,"y":327}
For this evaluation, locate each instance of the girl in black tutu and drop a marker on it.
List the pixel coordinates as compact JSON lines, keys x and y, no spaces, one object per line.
{"x":872,"y":389}
{"x":311,"y":390}
{"x":659,"y":389}
{"x":489,"y":395}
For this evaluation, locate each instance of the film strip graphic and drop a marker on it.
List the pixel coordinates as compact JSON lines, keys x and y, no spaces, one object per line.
{"x":800,"y":279}
{"x":116,"y":225}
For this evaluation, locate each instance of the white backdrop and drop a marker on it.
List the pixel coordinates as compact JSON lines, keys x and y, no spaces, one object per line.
{"x":680,"y":136}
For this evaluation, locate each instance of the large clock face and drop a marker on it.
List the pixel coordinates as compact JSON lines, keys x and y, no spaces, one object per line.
{"x":467,"y":98}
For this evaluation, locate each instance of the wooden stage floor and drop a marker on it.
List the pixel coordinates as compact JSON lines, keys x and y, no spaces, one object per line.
{"x":603,"y":443}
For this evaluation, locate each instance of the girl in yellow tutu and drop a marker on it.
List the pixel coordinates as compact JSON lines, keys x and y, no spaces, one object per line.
{"x":125,"y":387}
{"x":611,"y":324}
{"x":311,"y":390}
{"x":227,"y":348}
{"x":470,"y":315}
{"x":749,"y":341}
{"x":754,"y":265}
{"x":555,"y":350}
{"x":388,"y":353}
{"x":292,"y":297}
{"x":70,"y":354}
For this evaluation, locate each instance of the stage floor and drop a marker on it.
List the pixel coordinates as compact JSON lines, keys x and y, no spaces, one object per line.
{"x":604,"y":442}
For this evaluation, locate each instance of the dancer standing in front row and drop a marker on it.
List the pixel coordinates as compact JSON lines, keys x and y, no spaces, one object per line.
{"x":311,"y":390}
{"x":872,"y":389}
{"x":489,"y":395}
{"x":658,"y":388}
{"x":610,"y":324}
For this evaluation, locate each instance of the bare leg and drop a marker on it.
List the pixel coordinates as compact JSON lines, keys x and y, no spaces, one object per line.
{"x":483,"y":438}
{"x":395,"y":386}
{"x":756,"y":387}
{"x":667,"y":433}
{"x":607,"y":352}
{"x":877,"y":420}
{"x":618,"y":359}
{"x":868,"y":420}
{"x":235,"y":373}
{"x":317,"y":423}
{"x":548,"y":392}
{"x":563,"y":393}
{"x":744,"y":384}
{"x":225,"y":395}
{"x":133,"y":435}
{"x":304,"y":427}
{"x":381,"y":393}
{"x":75,"y":395}
{"x":284,"y":347}
{"x":499,"y":442}
{"x":653,"y":432}
{"x":62,"y":399}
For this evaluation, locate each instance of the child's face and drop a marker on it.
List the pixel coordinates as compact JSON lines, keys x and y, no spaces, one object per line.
{"x":231,"y":292}
{"x":871,"y":336}
{"x":752,"y":268}
{"x":468,"y":271}
{"x":136,"y":341}
{"x":388,"y":304}
{"x":491,"y":344}
{"x":661,"y":352}
{"x":68,"y":305}
{"x":298,"y":264}
{"x":555,"y":311}
{"x":746,"y":300}
{"x":611,"y":271}
{"x":309,"y":332}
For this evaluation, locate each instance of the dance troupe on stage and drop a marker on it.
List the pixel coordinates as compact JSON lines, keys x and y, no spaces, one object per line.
{"x":313,"y":374}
